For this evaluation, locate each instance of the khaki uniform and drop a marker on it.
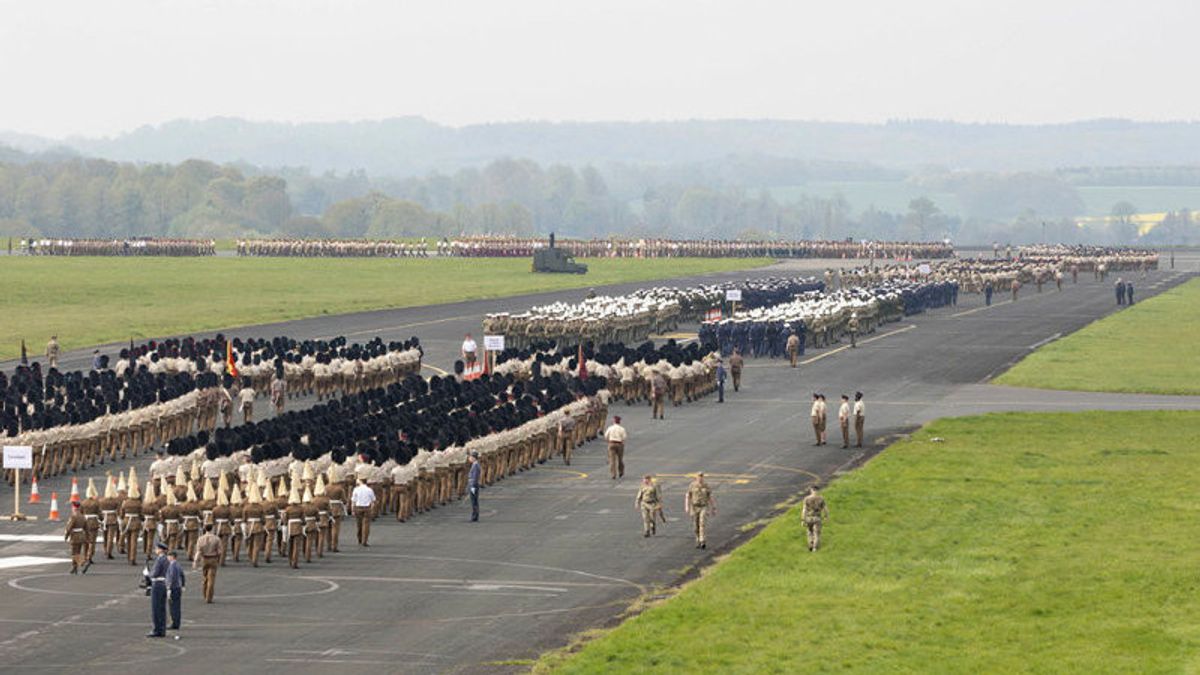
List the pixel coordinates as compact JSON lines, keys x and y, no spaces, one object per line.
{"x":648,"y":501}
{"x":616,"y":435}
{"x":209,"y":549}
{"x":813,"y":513}
{"x":699,"y":500}
{"x":76,"y":537}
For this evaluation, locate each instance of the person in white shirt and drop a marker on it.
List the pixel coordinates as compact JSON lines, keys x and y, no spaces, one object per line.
{"x":844,"y":420}
{"x":469,"y":349}
{"x":246,"y":400}
{"x":361,"y":499}
{"x":860,"y":416}
{"x":615,"y":434}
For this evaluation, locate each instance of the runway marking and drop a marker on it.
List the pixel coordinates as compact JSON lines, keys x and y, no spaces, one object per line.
{"x":861,"y":342}
{"x":617,"y":581}
{"x":29,"y":560}
{"x":35,"y":538}
{"x":1048,"y":340}
{"x":335,"y":651}
{"x":435,"y":369}
{"x":17,"y":583}
{"x":402,"y":326}
{"x":575,"y":474}
{"x":980,"y":309}
{"x":458,"y":583}
{"x":678,"y":337}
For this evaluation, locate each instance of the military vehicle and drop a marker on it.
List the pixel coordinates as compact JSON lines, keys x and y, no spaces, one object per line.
{"x":553,"y":259}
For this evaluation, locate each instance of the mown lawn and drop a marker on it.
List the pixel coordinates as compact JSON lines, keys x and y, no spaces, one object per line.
{"x":1151,"y":347}
{"x":1053,"y":543}
{"x":89,"y":301}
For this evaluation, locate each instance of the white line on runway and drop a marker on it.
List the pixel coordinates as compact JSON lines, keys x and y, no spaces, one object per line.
{"x":28,"y":560}
{"x":861,"y":342}
{"x":1048,"y":340}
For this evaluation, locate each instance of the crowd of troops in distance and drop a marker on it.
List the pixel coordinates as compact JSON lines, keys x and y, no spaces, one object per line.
{"x":160,"y":391}
{"x":634,"y":317}
{"x":517,"y":247}
{"x":333,"y":248}
{"x":820,"y":319}
{"x":118,"y":247}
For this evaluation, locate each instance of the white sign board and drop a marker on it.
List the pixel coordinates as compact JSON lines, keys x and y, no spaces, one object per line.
{"x":493,"y":343}
{"x":18,"y":457}
{"x":923,"y":268}
{"x":733,"y":295}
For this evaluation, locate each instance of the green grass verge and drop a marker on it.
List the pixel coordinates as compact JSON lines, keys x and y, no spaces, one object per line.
{"x":1056,"y":543}
{"x":89,"y":301}
{"x":1150,"y":347}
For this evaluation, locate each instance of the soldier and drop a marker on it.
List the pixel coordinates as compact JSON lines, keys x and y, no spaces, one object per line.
{"x":337,"y":509}
{"x":1016,"y":286}
{"x":246,"y":400}
{"x":700,"y":504}
{"x":169,"y":515}
{"x":52,"y":351}
{"x":252,"y":518}
{"x":130,"y":516}
{"x":566,"y":437}
{"x":236,"y":508}
{"x":76,"y":536}
{"x":90,"y":508}
{"x":793,"y":348}
{"x":813,"y":512}
{"x":736,"y":363}
{"x":648,"y":502}
{"x":270,"y":509}
{"x":189,"y":515}
{"x":852,"y":328}
{"x":293,"y":525}
{"x":109,"y":504}
{"x":311,"y":527}
{"x":658,"y":394}
{"x":324,"y":520}
{"x":209,"y":550}
{"x":844,"y":420}
{"x":860,"y":417}
{"x":815,"y":417}
{"x":616,"y":436}
{"x":362,"y":500}
{"x":150,"y":520}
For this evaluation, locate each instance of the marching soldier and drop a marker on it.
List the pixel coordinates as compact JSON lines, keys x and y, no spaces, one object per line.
{"x":109,"y":504}
{"x":252,"y":517}
{"x":130,"y":516}
{"x":813,"y":512}
{"x":648,"y":501}
{"x":52,"y":351}
{"x":76,"y":536}
{"x":700,"y":504}
{"x":311,"y":528}
{"x":209,"y":550}
{"x":90,"y":508}
{"x":238,"y":523}
{"x":324,"y":521}
{"x":736,"y":363}
{"x":793,"y":348}
{"x":337,"y":508}
{"x":150,"y":520}
{"x":293,"y":526}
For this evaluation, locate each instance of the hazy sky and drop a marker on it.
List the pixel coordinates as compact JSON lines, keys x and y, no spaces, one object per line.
{"x":104,"y":66}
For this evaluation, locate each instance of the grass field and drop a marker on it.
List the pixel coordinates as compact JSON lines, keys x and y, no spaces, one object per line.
{"x":1150,"y":347}
{"x":1054,"y":543}
{"x":89,"y":301}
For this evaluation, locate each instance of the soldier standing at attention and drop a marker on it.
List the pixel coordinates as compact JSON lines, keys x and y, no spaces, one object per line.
{"x":158,"y":593}
{"x":615,"y":434}
{"x":208,"y":558}
{"x":648,"y":501}
{"x":736,"y":363}
{"x":700,"y":504}
{"x":844,"y":420}
{"x":175,"y":583}
{"x":815,"y":415}
{"x":469,"y":349}
{"x":860,"y":416}
{"x":52,"y":351}
{"x":473,"y":476}
{"x":852,"y":327}
{"x":76,"y":535}
{"x":361,"y":500}
{"x":813,"y":512}
{"x":793,"y":348}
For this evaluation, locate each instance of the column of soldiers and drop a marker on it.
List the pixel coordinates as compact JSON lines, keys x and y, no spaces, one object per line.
{"x":332,"y":248}
{"x":632,"y":318}
{"x":120,"y":247}
{"x":488,"y":246}
{"x":821,"y":319}
{"x":161,"y":391}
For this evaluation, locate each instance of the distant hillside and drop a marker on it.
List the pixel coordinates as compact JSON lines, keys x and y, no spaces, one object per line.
{"x":409,"y":146}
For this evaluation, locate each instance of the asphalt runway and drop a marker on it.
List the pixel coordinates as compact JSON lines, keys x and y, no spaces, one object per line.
{"x":559,"y":548}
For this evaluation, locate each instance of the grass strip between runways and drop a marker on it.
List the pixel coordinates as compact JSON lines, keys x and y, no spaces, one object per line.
{"x":1051,"y":543}
{"x":93,"y":301}
{"x":1151,"y":347}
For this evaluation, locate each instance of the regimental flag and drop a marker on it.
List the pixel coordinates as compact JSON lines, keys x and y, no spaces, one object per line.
{"x":583,"y":375}
{"x":230,"y":364}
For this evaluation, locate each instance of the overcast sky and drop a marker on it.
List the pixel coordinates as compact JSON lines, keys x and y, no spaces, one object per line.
{"x":99,"y":67}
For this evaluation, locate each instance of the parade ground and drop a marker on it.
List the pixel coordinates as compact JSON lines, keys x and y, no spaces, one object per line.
{"x":559,"y":551}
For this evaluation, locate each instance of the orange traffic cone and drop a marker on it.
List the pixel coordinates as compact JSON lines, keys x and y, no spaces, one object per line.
{"x":54,"y":506}
{"x":75,"y":490}
{"x":35,"y":497}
